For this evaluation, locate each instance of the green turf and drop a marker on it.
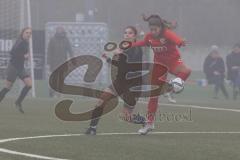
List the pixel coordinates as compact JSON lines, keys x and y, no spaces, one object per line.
{"x":40,"y":119}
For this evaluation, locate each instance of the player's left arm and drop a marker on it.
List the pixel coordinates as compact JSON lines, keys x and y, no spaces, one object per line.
{"x":109,"y":60}
{"x":174,"y":38}
{"x":142,"y":43}
{"x":27,"y":56}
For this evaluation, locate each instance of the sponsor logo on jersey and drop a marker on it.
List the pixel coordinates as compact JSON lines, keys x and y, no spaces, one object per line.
{"x":159,"y":49}
{"x":163,"y":41}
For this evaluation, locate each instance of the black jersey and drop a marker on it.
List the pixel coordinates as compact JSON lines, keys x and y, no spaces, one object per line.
{"x":20,"y":48}
{"x":132,"y":55}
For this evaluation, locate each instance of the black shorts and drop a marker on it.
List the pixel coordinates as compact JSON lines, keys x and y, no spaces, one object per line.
{"x":13,"y":73}
{"x":122,"y":89}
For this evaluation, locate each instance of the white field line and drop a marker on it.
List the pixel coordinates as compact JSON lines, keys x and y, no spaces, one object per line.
{"x":109,"y":134}
{"x":28,"y":155}
{"x":196,"y":107}
{"x":11,"y":152}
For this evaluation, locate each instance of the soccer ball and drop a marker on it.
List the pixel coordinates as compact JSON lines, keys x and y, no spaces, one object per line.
{"x":178,"y":85}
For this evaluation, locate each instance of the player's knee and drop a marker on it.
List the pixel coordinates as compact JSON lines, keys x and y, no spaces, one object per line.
{"x":185,"y":73}
{"x":188,"y":71}
{"x":129,"y":99}
{"x":131,"y":103}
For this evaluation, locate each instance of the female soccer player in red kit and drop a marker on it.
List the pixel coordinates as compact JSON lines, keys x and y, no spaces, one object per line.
{"x":164,"y":43}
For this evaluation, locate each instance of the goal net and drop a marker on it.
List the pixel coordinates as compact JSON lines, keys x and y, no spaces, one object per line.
{"x":85,"y":39}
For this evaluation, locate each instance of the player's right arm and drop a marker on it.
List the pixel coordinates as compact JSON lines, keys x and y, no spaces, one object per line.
{"x":174,"y":38}
{"x":109,"y":60}
{"x":142,"y":43}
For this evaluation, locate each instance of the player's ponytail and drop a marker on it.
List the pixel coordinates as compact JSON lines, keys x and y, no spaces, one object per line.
{"x":170,"y":25}
{"x":158,"y":21}
{"x":153,"y":19}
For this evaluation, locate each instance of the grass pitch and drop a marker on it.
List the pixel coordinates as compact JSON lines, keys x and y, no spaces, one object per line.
{"x":203,"y":133}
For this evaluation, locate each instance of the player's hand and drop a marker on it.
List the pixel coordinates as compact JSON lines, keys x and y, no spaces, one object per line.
{"x":118,"y":51}
{"x":184,"y":43}
{"x":27,"y":56}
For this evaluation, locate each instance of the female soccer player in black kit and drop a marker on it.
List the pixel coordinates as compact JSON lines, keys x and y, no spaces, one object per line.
{"x":19,"y":53}
{"x":119,"y":85}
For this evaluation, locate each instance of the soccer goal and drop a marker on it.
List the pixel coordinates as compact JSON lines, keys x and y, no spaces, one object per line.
{"x":85,"y":39}
{"x":14,"y":16}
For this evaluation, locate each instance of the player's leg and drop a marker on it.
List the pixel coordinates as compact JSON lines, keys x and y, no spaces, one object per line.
{"x":153,"y":103}
{"x":170,"y":97}
{"x":179,"y":69}
{"x":6,"y":89}
{"x":11,"y":78}
{"x":27,"y":80}
{"x":107,"y":95}
{"x":28,"y":85}
{"x":151,"y":112}
{"x":127,"y":114}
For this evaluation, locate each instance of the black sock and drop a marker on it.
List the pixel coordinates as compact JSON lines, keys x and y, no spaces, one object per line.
{"x":96,"y":116}
{"x":23,"y":94}
{"x":3,"y":92}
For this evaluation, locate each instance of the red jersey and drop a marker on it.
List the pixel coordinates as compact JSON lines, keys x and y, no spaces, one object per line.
{"x":163,"y":47}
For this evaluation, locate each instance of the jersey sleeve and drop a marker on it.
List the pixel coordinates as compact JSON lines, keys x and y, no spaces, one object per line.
{"x":142,"y":43}
{"x":173,"y":37}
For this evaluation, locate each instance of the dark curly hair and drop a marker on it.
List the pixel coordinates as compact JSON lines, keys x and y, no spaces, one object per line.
{"x":156,"y":20}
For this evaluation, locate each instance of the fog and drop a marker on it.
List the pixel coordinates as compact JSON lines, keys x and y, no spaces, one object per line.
{"x":201,"y":22}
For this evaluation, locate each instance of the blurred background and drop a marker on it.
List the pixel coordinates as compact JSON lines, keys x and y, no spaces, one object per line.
{"x":202,"y":23}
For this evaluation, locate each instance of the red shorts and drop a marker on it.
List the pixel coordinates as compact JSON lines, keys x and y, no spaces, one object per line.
{"x":170,"y":63}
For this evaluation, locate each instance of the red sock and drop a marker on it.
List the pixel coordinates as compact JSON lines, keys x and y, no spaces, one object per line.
{"x":152,"y":108}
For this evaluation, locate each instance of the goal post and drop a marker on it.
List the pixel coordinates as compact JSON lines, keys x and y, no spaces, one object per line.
{"x":29,"y":24}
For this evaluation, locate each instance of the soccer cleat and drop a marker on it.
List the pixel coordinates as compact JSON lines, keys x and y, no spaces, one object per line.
{"x":146,"y":129}
{"x":138,"y":119}
{"x":170,"y":98}
{"x":91,"y":131}
{"x":19,"y":107}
